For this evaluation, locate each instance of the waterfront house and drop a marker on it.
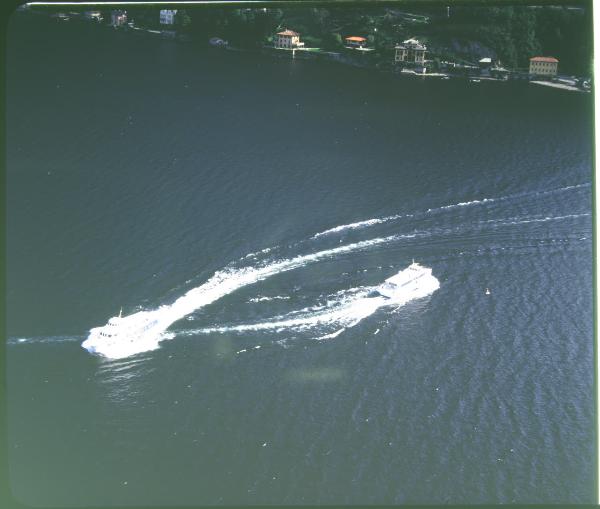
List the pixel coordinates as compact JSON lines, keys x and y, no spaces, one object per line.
{"x":355,"y":42}
{"x":543,"y":66}
{"x":410,"y":51}
{"x":118,"y":18}
{"x":167,"y":16}
{"x":287,"y":39}
{"x":93,"y":15}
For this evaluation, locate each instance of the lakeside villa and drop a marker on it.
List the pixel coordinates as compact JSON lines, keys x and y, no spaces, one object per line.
{"x":288,"y":39}
{"x":543,"y":66}
{"x":167,"y":16}
{"x":355,"y":42}
{"x":410,"y":51}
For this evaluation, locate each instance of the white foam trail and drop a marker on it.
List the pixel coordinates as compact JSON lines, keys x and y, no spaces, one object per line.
{"x":575,"y":186}
{"x":42,"y":339}
{"x":535,"y":220}
{"x":507,"y":197}
{"x":357,"y":225}
{"x":465,"y":204}
{"x":379,"y":220}
{"x":345,"y":312}
{"x":348,"y":315}
{"x":258,"y":253}
{"x":222,"y":283}
{"x":267,"y":299}
{"x":333,"y":334}
{"x":336,"y":299}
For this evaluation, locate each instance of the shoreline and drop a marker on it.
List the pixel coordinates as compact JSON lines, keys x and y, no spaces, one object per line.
{"x":341,"y":57}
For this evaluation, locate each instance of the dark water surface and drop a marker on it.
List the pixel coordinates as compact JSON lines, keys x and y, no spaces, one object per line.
{"x":138,"y":167}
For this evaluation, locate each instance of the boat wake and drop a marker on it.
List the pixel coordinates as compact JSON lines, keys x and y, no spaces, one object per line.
{"x":346,"y":315}
{"x":483,"y":201}
{"x":352,"y":307}
{"x":43,"y":339}
{"x":358,"y":225}
{"x":144,"y":330}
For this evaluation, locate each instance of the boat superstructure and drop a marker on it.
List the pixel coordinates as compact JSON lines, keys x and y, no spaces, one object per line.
{"x":124,"y":333}
{"x":413,"y":282}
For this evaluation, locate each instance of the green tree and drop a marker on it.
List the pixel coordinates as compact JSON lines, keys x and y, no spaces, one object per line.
{"x":524,"y":35}
{"x":333,"y":41}
{"x":183,"y":20}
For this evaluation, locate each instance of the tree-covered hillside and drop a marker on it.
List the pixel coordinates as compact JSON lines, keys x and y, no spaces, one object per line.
{"x":515,"y":33}
{"x":511,"y":34}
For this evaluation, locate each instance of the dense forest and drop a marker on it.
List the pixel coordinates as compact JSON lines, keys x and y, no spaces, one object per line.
{"x":511,"y":34}
{"x":515,"y":34}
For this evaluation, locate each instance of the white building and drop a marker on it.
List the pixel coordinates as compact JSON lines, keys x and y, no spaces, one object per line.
{"x":167,"y":16}
{"x":287,"y":39}
{"x":411,"y":51}
{"x":543,"y":66}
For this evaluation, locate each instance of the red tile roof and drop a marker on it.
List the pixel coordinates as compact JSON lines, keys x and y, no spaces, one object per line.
{"x":290,"y":33}
{"x":355,"y":38}
{"x":543,"y":59}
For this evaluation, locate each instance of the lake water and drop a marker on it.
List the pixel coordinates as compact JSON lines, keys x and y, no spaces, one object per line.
{"x":138,"y":167}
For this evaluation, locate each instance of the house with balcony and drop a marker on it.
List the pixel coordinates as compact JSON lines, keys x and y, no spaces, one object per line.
{"x":410,"y":51}
{"x":288,"y":39}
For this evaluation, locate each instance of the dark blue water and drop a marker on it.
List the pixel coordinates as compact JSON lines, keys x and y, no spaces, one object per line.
{"x":138,"y":167}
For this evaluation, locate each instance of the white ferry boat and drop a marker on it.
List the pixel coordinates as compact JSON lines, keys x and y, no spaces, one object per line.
{"x":123,"y":334}
{"x":411,"y":283}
